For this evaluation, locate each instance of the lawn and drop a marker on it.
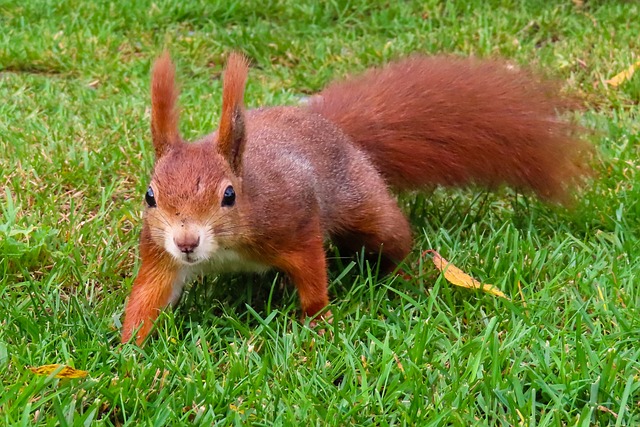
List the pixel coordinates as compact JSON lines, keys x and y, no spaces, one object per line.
{"x":75,"y":159}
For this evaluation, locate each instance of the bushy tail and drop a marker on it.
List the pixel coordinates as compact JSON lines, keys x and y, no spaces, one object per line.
{"x":427,"y":121}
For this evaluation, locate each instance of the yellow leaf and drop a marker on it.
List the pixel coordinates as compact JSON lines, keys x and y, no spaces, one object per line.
{"x":459,"y":278}
{"x":625,"y":75}
{"x":65,"y":372}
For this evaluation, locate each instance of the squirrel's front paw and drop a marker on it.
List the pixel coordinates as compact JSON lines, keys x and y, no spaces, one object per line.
{"x":320,"y":321}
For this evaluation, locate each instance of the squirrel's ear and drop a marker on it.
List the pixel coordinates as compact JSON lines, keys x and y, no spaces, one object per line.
{"x":164,"y":111}
{"x":231,"y":132}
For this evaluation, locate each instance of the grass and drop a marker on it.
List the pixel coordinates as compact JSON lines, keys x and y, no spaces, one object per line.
{"x":75,"y":157}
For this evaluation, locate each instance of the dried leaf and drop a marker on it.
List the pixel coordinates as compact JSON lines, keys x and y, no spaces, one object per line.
{"x":459,"y":278}
{"x":395,"y":356}
{"x":65,"y":372}
{"x":625,"y":75}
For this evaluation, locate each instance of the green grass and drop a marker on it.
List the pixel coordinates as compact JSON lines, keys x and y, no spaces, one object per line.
{"x":75,"y":158}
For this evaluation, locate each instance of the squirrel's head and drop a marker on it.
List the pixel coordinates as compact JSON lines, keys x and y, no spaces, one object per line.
{"x":194,"y":201}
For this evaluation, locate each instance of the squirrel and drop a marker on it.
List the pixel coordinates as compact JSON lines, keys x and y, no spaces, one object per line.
{"x":271,"y":185}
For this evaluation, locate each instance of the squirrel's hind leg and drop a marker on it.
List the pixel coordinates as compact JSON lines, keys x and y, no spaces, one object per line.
{"x":380,"y":227}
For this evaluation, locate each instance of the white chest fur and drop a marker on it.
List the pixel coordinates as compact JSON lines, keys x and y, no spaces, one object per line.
{"x":223,"y":261}
{"x":229,"y":261}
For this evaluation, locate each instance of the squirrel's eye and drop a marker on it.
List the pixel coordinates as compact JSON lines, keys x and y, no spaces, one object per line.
{"x":150,"y":198}
{"x":229,"y":197}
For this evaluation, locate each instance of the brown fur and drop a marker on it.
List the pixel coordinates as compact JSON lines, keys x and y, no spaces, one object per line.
{"x":302,"y":174}
{"x":447,"y":121}
{"x":151,"y":289}
{"x":164,"y":114}
{"x":231,"y":134}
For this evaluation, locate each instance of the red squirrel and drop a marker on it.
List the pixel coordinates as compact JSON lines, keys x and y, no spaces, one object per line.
{"x":271,"y":185}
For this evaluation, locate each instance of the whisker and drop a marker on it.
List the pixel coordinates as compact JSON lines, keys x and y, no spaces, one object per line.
{"x":166,"y":220}
{"x":213,"y":214}
{"x":162,"y":219}
{"x":220,"y":220}
{"x":216,"y":221}
{"x":232,"y":234}
{"x":229,"y":227}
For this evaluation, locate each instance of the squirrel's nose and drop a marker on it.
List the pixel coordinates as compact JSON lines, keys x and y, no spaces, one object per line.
{"x":187,"y":244}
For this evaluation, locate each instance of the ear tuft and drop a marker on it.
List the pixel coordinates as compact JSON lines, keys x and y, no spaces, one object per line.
{"x":231,"y":133}
{"x":164,"y":112}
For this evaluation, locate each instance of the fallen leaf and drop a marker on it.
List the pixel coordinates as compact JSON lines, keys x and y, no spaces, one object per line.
{"x":608,"y":411}
{"x":395,"y":356}
{"x":625,"y":75}
{"x":459,"y":278}
{"x":65,"y":372}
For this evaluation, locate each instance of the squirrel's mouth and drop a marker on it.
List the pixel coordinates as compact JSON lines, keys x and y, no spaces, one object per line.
{"x":187,"y":259}
{"x":190,"y":259}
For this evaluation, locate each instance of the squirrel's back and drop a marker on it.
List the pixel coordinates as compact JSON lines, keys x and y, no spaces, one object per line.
{"x":297,"y":163}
